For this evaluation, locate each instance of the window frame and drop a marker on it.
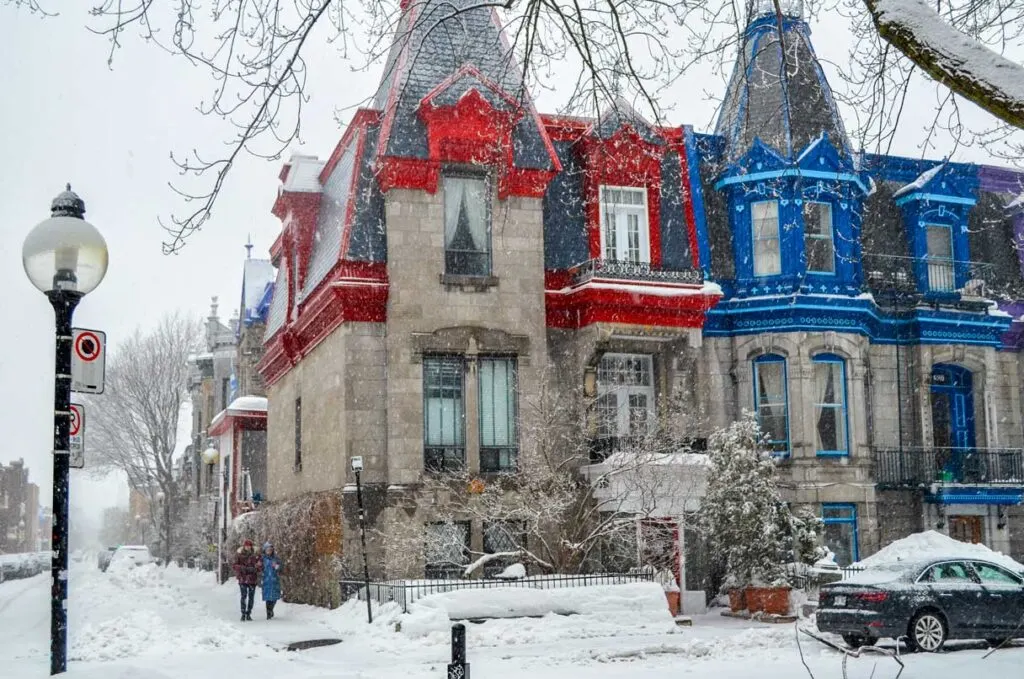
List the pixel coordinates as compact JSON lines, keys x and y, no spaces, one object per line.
{"x":940,"y":262}
{"x":642,"y":210}
{"x":450,"y":459}
{"x":485,"y":179}
{"x":1015,"y":580}
{"x":754,"y":240}
{"x":450,"y":570}
{"x":830,"y":238}
{"x":623,"y":425}
{"x":501,"y":563}
{"x":828,"y":358}
{"x":852,"y":519}
{"x":511,"y":451}
{"x":756,"y":367}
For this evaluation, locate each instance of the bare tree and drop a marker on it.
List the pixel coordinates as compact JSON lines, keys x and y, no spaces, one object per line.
{"x":559,"y":509}
{"x":133,"y":426}
{"x":253,"y":50}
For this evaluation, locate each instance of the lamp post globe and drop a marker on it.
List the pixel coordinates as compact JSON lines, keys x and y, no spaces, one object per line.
{"x":65,"y":257}
{"x":65,"y":252}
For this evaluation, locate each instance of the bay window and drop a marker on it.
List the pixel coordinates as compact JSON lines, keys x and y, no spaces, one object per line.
{"x":625,"y":233}
{"x":764,"y":216}
{"x":498,"y":416}
{"x":771,"y":402}
{"x":830,"y":436}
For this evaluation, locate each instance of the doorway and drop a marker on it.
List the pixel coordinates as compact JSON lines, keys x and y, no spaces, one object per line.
{"x":952,"y":419}
{"x":966,"y":529}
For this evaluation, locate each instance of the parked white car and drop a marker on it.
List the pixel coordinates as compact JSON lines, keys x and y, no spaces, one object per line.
{"x":134,"y":555}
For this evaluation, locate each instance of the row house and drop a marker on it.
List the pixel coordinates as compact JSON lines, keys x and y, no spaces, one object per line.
{"x":19,"y":510}
{"x":459,"y":255}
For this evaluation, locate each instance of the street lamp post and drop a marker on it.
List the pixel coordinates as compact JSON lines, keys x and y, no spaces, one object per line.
{"x":65,"y":257}
{"x":357,"y":467}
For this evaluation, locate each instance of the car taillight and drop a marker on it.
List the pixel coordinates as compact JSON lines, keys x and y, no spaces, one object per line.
{"x":873,"y":597}
{"x":821,"y":599}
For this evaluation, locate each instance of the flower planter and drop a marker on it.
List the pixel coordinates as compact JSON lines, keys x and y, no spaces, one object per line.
{"x":673,"y":602}
{"x":770,"y":600}
{"x":737,"y":600}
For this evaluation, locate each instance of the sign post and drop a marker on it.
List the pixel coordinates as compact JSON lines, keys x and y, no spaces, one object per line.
{"x":88,"y":360}
{"x":76,"y":438}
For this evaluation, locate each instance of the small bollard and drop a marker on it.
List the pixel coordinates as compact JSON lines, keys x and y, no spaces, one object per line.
{"x":458,"y":668}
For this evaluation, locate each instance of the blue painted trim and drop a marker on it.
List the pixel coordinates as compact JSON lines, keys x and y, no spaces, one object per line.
{"x":851,"y":519}
{"x":935,"y":198}
{"x":977,"y":496}
{"x":697,"y":197}
{"x":791,"y":172}
{"x":835,"y":358}
{"x":774,"y":358}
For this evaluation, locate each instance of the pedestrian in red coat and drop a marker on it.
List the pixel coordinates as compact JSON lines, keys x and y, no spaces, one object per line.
{"x":248,"y":566}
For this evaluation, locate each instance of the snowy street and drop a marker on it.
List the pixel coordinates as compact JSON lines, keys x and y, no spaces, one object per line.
{"x":148,"y":622}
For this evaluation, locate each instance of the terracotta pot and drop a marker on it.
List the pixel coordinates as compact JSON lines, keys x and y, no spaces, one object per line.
{"x":770,"y":600}
{"x":737,"y":600}
{"x":673,"y":602}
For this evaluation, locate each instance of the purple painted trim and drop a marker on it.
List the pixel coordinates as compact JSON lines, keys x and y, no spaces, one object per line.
{"x":1000,"y":179}
{"x":1014,"y":337}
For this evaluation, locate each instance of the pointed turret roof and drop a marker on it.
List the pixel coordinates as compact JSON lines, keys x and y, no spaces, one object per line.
{"x":786,"y":108}
{"x":442,"y":51}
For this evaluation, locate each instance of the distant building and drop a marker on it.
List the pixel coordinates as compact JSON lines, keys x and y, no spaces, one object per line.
{"x":19,"y":501}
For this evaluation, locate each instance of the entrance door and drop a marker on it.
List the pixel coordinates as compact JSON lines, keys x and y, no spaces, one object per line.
{"x":966,"y":529}
{"x":952,"y":419}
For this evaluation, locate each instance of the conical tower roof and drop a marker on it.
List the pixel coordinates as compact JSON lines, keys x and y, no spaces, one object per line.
{"x":787,"y":104}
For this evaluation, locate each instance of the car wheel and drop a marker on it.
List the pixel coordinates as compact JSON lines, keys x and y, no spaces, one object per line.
{"x":927,"y":631}
{"x":856,"y":640}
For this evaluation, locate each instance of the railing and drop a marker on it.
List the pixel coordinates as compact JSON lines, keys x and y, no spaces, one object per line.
{"x":632,"y":271}
{"x":405,"y":592}
{"x":602,"y":448}
{"x":894,"y":273}
{"x":915,"y":466}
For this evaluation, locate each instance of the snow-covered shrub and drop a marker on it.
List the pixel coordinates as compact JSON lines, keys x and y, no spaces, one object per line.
{"x":742,"y":513}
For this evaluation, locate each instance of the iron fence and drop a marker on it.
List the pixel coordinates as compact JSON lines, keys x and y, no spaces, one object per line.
{"x":926,"y":275}
{"x":405,"y":592}
{"x":911,"y":467}
{"x":633,"y":271}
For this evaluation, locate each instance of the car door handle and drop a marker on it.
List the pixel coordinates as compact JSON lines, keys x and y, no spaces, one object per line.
{"x":996,"y":596}
{"x":945,"y":595}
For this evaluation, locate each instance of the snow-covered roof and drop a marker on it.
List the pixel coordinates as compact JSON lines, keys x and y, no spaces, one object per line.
{"x":921,"y":181}
{"x":249,"y":404}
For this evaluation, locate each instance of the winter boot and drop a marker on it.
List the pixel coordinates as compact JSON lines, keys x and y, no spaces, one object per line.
{"x":270,"y":610}
{"x":243,"y":616}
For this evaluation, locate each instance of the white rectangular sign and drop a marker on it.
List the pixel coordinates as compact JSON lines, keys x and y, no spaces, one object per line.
{"x":76,"y":429}
{"x":88,"y":360}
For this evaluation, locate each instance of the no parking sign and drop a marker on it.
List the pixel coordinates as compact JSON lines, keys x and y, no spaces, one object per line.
{"x":76,"y":429}
{"x":88,"y":360}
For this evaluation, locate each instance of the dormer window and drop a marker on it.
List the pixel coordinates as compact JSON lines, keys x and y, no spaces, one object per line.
{"x":764,"y":216}
{"x":467,"y":228}
{"x":625,"y":234}
{"x":819,"y":245}
{"x":941,"y":273}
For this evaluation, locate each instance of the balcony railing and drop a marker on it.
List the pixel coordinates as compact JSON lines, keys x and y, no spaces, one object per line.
{"x":914,"y":466}
{"x":940,"y":275}
{"x":632,"y":271}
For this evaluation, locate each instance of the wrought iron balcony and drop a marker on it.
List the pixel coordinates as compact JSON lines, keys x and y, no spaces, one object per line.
{"x":632,"y":271}
{"x":938,"y":275}
{"x":915,"y":466}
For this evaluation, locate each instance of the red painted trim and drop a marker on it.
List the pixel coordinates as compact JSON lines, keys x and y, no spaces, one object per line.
{"x":587,"y":305}
{"x":364,"y":118}
{"x":394,"y":172}
{"x":468,"y":70}
{"x":687,"y":198}
{"x":391,"y":104}
{"x":350,"y":206}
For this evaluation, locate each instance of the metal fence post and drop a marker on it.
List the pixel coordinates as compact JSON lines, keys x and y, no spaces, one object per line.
{"x":458,"y":668}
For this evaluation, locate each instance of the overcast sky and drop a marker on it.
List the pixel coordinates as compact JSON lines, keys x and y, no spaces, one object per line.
{"x":66,"y":117}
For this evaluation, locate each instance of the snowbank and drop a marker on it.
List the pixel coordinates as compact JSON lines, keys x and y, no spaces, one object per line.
{"x":934,"y":545}
{"x":643,"y":599}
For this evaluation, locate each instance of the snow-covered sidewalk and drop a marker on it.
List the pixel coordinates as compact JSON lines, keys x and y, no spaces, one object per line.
{"x":152,"y":623}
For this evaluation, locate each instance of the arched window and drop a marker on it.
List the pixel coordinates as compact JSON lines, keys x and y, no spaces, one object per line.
{"x":771,"y":401}
{"x":829,"y":393}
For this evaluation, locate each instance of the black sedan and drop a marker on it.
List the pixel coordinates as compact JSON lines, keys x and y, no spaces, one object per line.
{"x":925,"y":603}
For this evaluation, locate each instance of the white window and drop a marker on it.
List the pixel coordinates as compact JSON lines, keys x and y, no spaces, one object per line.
{"x":625,"y":234}
{"x":940,"y":258}
{"x":764,"y":216}
{"x":625,"y":395}
{"x":819,"y":246}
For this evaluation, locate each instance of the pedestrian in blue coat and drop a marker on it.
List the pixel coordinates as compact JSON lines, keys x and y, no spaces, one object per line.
{"x":271,"y":578}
